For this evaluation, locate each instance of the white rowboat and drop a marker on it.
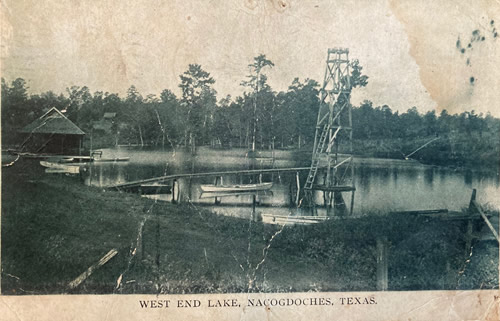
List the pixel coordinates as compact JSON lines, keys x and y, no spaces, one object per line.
{"x":236,"y":188}
{"x":60,"y":168}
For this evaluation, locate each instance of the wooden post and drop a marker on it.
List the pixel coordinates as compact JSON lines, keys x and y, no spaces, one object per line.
{"x":175,"y":191}
{"x":326,"y":195}
{"x":142,"y":245}
{"x":76,"y":282}
{"x":468,"y":238}
{"x":352,"y":202}
{"x":190,"y":188}
{"x":487,"y":221}
{"x":472,"y":208}
{"x":218,"y":179}
{"x":101,"y":176}
{"x":254,"y":201}
{"x":340,"y":208}
{"x":382,"y":264}
{"x":297,"y":197}
{"x":157,"y":240}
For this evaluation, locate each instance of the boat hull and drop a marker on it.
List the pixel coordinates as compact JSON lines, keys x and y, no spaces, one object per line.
{"x":236,"y":188}
{"x":60,"y":168}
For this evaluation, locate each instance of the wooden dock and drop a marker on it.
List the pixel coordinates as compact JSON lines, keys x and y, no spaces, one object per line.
{"x":135,"y":184}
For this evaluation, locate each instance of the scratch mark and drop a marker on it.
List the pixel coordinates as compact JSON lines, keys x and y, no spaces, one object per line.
{"x":133,"y":252}
{"x":420,"y":307}
{"x":265,"y":250}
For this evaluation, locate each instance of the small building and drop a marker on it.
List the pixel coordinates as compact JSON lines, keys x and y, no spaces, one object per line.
{"x":52,"y":133}
{"x":106,"y":123}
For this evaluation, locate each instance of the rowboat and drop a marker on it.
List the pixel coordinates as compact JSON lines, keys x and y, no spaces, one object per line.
{"x":117,"y":159}
{"x":60,"y":168}
{"x":76,"y":159}
{"x":80,"y":159}
{"x":264,"y":193}
{"x":236,"y":188}
{"x":69,"y":170}
{"x":291,"y":220}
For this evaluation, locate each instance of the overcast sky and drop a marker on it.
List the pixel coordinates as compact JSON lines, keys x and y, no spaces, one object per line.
{"x":407,"y":48}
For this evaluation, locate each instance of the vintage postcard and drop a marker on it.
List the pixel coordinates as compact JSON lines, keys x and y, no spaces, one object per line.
{"x":250,"y":159}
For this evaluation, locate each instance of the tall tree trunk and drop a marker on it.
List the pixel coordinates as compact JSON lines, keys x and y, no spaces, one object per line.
{"x":140,"y":135}
{"x":193,"y":144}
{"x":254,"y":125}
{"x":162,"y":129}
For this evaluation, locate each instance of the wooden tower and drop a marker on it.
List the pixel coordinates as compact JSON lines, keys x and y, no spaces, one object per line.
{"x":333,"y":139}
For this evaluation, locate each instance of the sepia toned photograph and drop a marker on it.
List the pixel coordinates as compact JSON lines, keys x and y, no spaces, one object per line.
{"x":249,"y":147}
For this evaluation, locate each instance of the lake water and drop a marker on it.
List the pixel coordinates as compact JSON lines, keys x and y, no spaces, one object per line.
{"x":381,"y":184}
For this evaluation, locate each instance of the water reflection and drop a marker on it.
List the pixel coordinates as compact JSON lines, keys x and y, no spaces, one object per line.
{"x":381,"y":184}
{"x":395,"y":175}
{"x":429,"y":176}
{"x":468,"y":177}
{"x":363,"y":175}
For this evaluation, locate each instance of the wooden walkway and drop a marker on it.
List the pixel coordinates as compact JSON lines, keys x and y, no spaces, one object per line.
{"x":136,"y":184}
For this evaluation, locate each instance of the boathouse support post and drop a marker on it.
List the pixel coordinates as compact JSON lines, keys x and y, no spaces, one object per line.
{"x":382,"y":249}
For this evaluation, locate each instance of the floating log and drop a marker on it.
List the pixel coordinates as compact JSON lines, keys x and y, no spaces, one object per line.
{"x":438,"y":211}
{"x":338,"y":188}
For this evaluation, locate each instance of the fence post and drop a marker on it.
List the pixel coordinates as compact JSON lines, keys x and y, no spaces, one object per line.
{"x":382,"y":264}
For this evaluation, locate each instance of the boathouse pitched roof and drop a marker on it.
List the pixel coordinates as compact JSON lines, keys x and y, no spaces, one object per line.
{"x":53,"y":122}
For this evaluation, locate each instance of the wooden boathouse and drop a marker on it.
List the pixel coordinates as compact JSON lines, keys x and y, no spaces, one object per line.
{"x":52,"y":133}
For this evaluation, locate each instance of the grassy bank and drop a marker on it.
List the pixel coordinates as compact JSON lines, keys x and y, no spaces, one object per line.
{"x":54,"y":228}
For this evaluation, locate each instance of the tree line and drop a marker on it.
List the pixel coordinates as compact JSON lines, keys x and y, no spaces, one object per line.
{"x":259,"y":118}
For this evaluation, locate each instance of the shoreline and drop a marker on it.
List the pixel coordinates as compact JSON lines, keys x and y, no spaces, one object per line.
{"x":54,"y":228}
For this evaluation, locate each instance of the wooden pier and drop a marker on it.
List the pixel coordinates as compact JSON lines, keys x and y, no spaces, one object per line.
{"x":136,"y":184}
